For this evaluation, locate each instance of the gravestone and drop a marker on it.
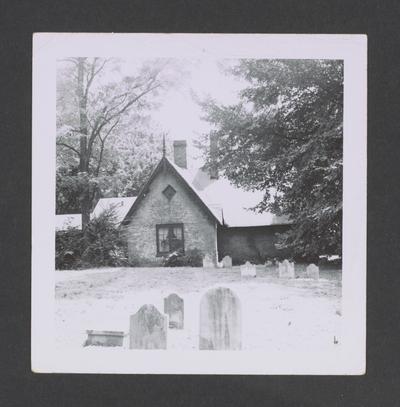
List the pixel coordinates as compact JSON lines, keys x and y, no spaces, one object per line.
{"x":148,"y":329}
{"x":286,"y":269}
{"x":248,"y":270}
{"x":312,"y":271}
{"x":227,"y":262}
{"x":104,"y":338}
{"x":173,"y":307}
{"x":220,"y":320}
{"x":207,"y":262}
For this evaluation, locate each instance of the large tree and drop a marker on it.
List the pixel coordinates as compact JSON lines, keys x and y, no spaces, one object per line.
{"x":98,"y":108}
{"x":285,"y":137}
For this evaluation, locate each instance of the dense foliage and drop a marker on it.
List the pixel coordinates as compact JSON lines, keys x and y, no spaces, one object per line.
{"x":100,"y":246}
{"x":68,"y":249}
{"x":191,"y":258}
{"x":285,"y":138}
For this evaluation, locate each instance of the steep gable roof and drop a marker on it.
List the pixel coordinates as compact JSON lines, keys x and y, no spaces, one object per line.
{"x":166,"y":164}
{"x":224,"y":202}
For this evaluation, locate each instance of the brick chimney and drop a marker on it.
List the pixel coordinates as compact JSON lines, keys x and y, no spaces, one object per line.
{"x":180,"y":153}
{"x":213,"y":156}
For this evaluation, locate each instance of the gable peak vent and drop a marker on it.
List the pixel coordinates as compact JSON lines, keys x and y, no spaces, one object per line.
{"x":169,"y":192}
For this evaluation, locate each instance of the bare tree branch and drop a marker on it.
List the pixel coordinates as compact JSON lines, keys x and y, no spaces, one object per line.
{"x":130,"y":103}
{"x":68,"y":146}
{"x":102,"y":142}
{"x":102,"y":120}
{"x":93,"y":74}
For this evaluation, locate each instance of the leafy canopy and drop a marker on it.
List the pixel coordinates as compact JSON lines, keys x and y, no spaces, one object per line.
{"x":112,"y":104}
{"x":284,"y":137}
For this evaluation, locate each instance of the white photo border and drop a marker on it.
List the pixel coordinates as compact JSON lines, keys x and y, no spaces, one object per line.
{"x":47,"y":48}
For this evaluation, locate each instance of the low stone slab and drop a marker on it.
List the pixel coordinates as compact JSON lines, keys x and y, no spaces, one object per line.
{"x":148,"y":329}
{"x":286,"y":269}
{"x":207,"y":262}
{"x":220,"y":320}
{"x":174,"y":308}
{"x":248,"y":270}
{"x":312,"y":271}
{"x":104,"y":338}
{"x":227,"y":262}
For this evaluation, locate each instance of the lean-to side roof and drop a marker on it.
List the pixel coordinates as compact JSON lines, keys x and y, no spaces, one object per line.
{"x":119,"y":205}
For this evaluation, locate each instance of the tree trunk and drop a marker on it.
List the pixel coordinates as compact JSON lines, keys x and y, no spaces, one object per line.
{"x":84,"y":159}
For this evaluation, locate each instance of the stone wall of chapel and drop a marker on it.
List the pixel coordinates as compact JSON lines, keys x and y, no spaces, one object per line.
{"x":200,"y":230}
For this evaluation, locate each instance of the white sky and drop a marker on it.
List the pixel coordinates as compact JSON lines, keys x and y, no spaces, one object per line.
{"x":179,"y":115}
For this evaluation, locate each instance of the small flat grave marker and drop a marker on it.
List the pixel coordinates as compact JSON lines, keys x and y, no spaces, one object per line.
{"x":312,"y":271}
{"x":227,"y":262}
{"x":104,"y":338}
{"x":286,"y":269}
{"x":148,"y":329}
{"x":220,"y":320}
{"x":248,"y":270}
{"x":174,"y":308}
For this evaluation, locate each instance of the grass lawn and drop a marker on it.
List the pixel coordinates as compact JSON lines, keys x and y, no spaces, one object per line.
{"x":298,"y":314}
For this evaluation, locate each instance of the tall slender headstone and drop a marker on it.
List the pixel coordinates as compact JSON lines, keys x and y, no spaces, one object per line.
{"x":248,"y":270}
{"x":312,"y":271}
{"x":286,"y":269}
{"x":220,"y":320}
{"x":148,"y":329}
{"x":173,"y":307}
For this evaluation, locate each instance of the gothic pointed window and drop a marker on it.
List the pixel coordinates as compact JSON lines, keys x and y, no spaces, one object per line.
{"x":169,"y":192}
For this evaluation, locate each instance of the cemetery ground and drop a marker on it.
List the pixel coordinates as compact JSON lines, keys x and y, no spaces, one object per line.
{"x":298,"y":314}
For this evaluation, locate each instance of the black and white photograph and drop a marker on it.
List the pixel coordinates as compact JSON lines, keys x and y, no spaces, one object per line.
{"x":204,"y":206}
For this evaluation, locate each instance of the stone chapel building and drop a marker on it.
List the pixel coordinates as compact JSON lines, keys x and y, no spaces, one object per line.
{"x":181,"y":208}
